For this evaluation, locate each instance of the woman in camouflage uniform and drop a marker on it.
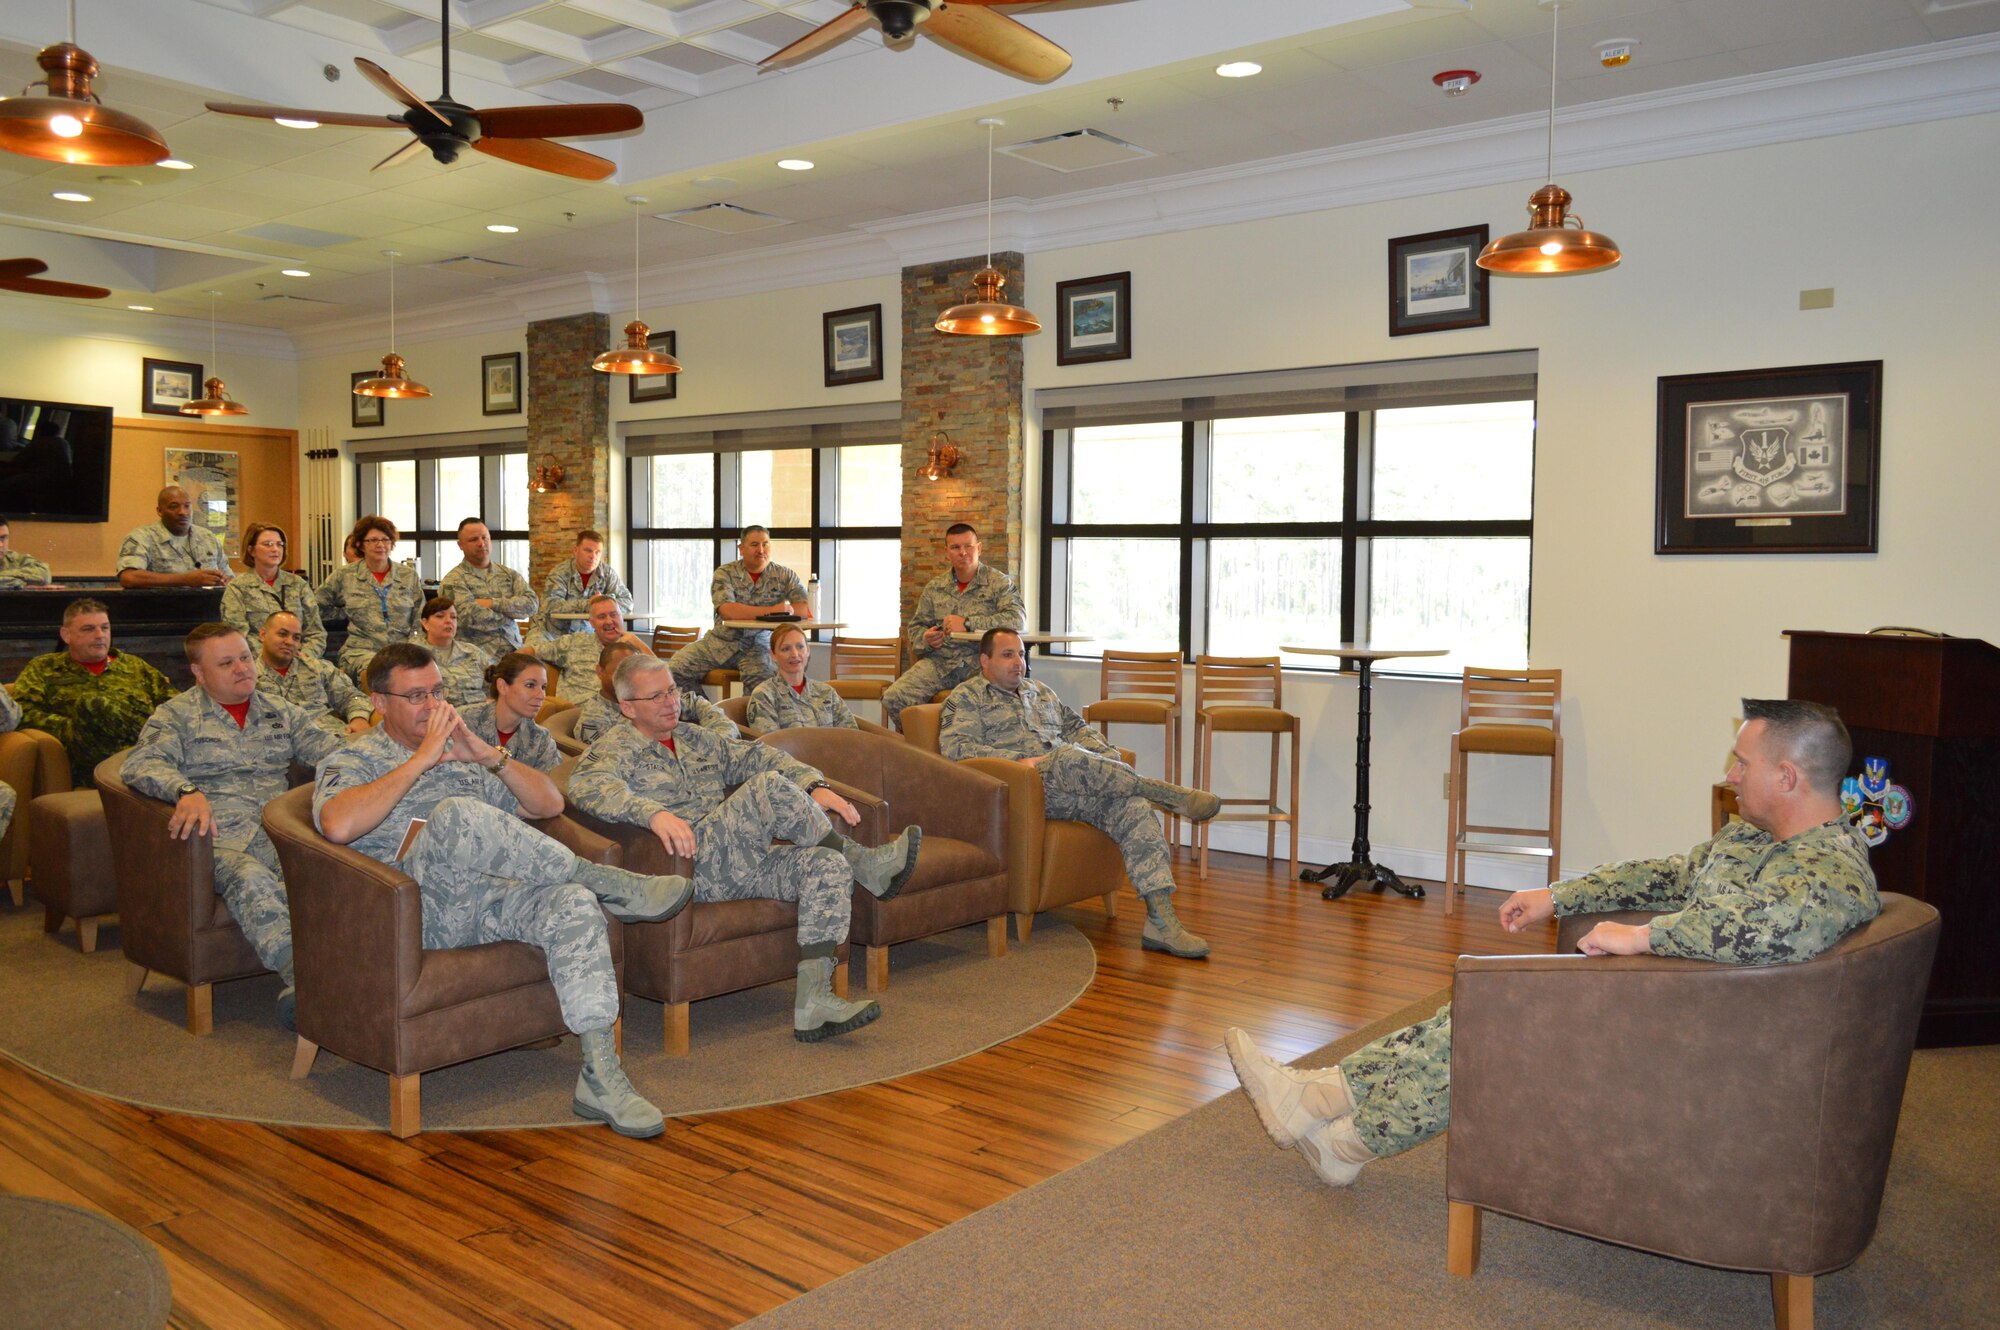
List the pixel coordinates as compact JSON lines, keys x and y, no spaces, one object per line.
{"x":254,"y":596}
{"x":517,"y":684}
{"x":379,"y":597}
{"x":792,"y":701}
{"x":462,"y":664}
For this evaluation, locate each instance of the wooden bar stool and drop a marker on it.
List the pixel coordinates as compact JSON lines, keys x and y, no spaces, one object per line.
{"x":1245,"y":695}
{"x":861,"y":669}
{"x":1143,"y":688}
{"x":1509,"y":713}
{"x":667,"y":639}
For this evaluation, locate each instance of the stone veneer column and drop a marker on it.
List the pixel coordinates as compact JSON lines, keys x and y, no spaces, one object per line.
{"x":970,"y":387}
{"x":569,"y":425}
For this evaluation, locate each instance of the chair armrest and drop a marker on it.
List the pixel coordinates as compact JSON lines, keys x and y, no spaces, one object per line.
{"x":166,"y":886}
{"x":1027,"y":820}
{"x":873,"y":828}
{"x":638,"y":848}
{"x":948,"y":799}
{"x":52,"y":775}
{"x":1571,"y":927}
{"x":357,"y":923}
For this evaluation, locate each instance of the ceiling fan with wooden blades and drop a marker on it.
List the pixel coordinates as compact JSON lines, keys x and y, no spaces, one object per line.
{"x":19,"y":275}
{"x":518,"y":134}
{"x":972,"y":28}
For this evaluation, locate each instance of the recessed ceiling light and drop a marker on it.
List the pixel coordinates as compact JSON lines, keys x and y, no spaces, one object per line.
{"x":1235,"y":69}
{"x":143,"y":309}
{"x":502,"y":229}
{"x":795,"y":164}
{"x":175,"y":164}
{"x":295,"y":272}
{"x":70,"y":196}
{"x":298,"y":124}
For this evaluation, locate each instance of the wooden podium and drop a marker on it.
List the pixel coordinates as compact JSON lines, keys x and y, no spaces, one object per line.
{"x":1929,"y":707}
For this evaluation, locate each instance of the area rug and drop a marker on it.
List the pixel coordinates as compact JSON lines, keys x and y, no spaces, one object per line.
{"x":1205,"y":1223}
{"x":73,"y":1269}
{"x":67,"y":1017}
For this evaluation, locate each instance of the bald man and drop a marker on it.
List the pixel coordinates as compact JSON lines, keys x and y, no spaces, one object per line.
{"x":172,"y":551}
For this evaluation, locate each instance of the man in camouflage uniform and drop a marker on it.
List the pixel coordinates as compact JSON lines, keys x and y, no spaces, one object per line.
{"x":577,"y":654}
{"x":484,"y":875}
{"x":1783,"y":885}
{"x":172,"y":551}
{"x":490,"y":597}
{"x":10,"y":717}
{"x":675,"y":781}
{"x":91,"y":698}
{"x":970,"y":597}
{"x":601,"y":713}
{"x":744,"y":589}
{"x":17,"y":569}
{"x":571,"y":587}
{"x":218,"y":753}
{"x":338,"y":707}
{"x":1003,"y":713}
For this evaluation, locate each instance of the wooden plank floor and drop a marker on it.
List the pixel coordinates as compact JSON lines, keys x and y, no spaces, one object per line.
{"x":729,"y":1214}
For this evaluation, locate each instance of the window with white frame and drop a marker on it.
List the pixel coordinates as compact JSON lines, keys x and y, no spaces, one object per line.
{"x":427,"y":492}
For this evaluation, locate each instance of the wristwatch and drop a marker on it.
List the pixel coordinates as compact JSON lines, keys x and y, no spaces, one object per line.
{"x":186,"y":789}
{"x":819,"y":785}
{"x":501,"y":765}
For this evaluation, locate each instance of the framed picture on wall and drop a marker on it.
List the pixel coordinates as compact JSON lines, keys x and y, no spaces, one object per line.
{"x":853,"y":345}
{"x":499,"y":384}
{"x":1436,"y":283}
{"x":655,"y":387}
{"x":367,"y":411}
{"x":168,"y":385}
{"x":1770,"y":461}
{"x":1094,"y":319}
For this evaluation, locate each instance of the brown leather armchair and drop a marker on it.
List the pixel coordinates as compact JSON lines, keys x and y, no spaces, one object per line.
{"x":1738,"y":1116}
{"x":961,"y":875}
{"x":1050,"y":862}
{"x":371,"y":992}
{"x":562,"y":726}
{"x":34,"y":763}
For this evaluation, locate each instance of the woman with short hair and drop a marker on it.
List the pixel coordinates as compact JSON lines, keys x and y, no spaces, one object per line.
{"x":791,"y":701}
{"x":462,"y":664}
{"x":380,"y":597}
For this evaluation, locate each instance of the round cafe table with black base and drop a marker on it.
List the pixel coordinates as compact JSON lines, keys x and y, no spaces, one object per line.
{"x":1359,"y":869}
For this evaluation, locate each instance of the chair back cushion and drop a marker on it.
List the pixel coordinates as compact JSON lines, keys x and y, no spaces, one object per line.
{"x":920,"y":725}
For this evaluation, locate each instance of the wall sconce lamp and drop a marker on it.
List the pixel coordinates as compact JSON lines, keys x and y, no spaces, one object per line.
{"x":941,"y":460}
{"x":548,"y":479}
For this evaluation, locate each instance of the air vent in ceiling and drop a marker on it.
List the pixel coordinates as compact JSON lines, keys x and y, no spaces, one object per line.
{"x":724,"y":217}
{"x":472,"y":263}
{"x":292,"y":300}
{"x":281,"y":233}
{"x":1078,"y":150}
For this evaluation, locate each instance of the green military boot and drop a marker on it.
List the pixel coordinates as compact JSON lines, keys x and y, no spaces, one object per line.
{"x":604,"y":1093}
{"x":817,"y":1013}
{"x":884,"y":869}
{"x":1195,"y":805}
{"x":1164,"y":931}
{"x":634,"y":898}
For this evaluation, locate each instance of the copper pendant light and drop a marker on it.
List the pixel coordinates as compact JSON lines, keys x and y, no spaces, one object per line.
{"x":215,"y":399}
{"x":988,"y":314}
{"x":1555,"y":243}
{"x":392,"y":381}
{"x":635,"y":356}
{"x":68,"y":123}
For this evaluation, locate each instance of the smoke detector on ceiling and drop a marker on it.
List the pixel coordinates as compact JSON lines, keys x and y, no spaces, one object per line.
{"x":1455,"y":82}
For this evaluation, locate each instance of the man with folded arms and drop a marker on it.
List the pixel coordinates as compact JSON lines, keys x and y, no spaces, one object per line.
{"x":1780,"y":886}
{"x":172,"y":551}
{"x":491,"y":597}
{"x":968,"y":597}
{"x":485,"y":875}
{"x":307,"y":681}
{"x":91,"y":698}
{"x":601,"y":714}
{"x":218,"y":753}
{"x":572,"y":586}
{"x":1003,"y":713}
{"x":748,"y":587}
{"x":576,"y":654}
{"x":675,"y":780}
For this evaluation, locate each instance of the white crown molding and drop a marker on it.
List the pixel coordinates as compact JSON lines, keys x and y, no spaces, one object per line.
{"x":39,"y":315}
{"x":507,"y":310}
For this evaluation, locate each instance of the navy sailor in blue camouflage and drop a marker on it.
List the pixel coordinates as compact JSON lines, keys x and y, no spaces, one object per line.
{"x":484,"y":875}
{"x":968,"y":597}
{"x":749,"y":587}
{"x":1781,"y":886}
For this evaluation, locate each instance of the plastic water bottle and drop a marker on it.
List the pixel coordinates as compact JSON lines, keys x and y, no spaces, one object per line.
{"x":812,"y":597}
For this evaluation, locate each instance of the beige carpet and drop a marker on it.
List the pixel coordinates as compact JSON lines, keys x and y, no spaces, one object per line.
{"x":67,"y":1016}
{"x":1204,"y":1223}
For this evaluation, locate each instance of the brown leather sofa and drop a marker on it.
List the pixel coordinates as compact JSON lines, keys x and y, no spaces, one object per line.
{"x":1050,"y":862}
{"x":961,"y":875}
{"x":370,"y":991}
{"x":1738,"y":1116}
{"x":34,"y":763}
{"x":171,"y":920}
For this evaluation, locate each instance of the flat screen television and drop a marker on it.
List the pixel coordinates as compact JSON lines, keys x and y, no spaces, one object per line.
{"x":55,"y":461}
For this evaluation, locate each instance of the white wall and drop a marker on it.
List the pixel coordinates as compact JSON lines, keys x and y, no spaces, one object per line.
{"x":44,"y":353}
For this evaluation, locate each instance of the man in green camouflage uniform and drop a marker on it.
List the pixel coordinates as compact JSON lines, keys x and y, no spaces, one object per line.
{"x":219,"y":752}
{"x":491,"y":597}
{"x":17,"y":569}
{"x":677,"y":782}
{"x":576,"y":654}
{"x":1781,"y":886}
{"x":172,"y":551}
{"x":338,"y":707}
{"x":91,"y":698}
{"x":743,"y":589}
{"x":569,"y":589}
{"x":1003,"y":713}
{"x":483,"y":874}
{"x":969,"y":597}
{"x":601,"y":713}
{"x":10,"y":718}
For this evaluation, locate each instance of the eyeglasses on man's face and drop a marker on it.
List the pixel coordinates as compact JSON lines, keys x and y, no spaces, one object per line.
{"x":416,"y":697}
{"x":672,"y":695}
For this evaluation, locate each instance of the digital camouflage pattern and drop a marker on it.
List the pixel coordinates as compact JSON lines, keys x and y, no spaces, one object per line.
{"x":484,"y":875}
{"x":10,"y":719}
{"x":776,"y":705}
{"x":1084,"y":778}
{"x":463,"y":667}
{"x":576,"y":657}
{"x":745,"y":650}
{"x":377,"y":613}
{"x":627,"y":778}
{"x":318,"y":687}
{"x":601,"y":715}
{"x":990,"y":600}
{"x":247,"y":601}
{"x":495,"y":631}
{"x":531,"y":743}
{"x":91,"y":715}
{"x":18,"y":570}
{"x":154,"y":549}
{"x":566,"y":591}
{"x":191,"y":740}
{"x":1741,"y":899}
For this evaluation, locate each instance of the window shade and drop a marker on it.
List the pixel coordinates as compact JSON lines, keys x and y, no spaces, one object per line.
{"x":758,"y":431}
